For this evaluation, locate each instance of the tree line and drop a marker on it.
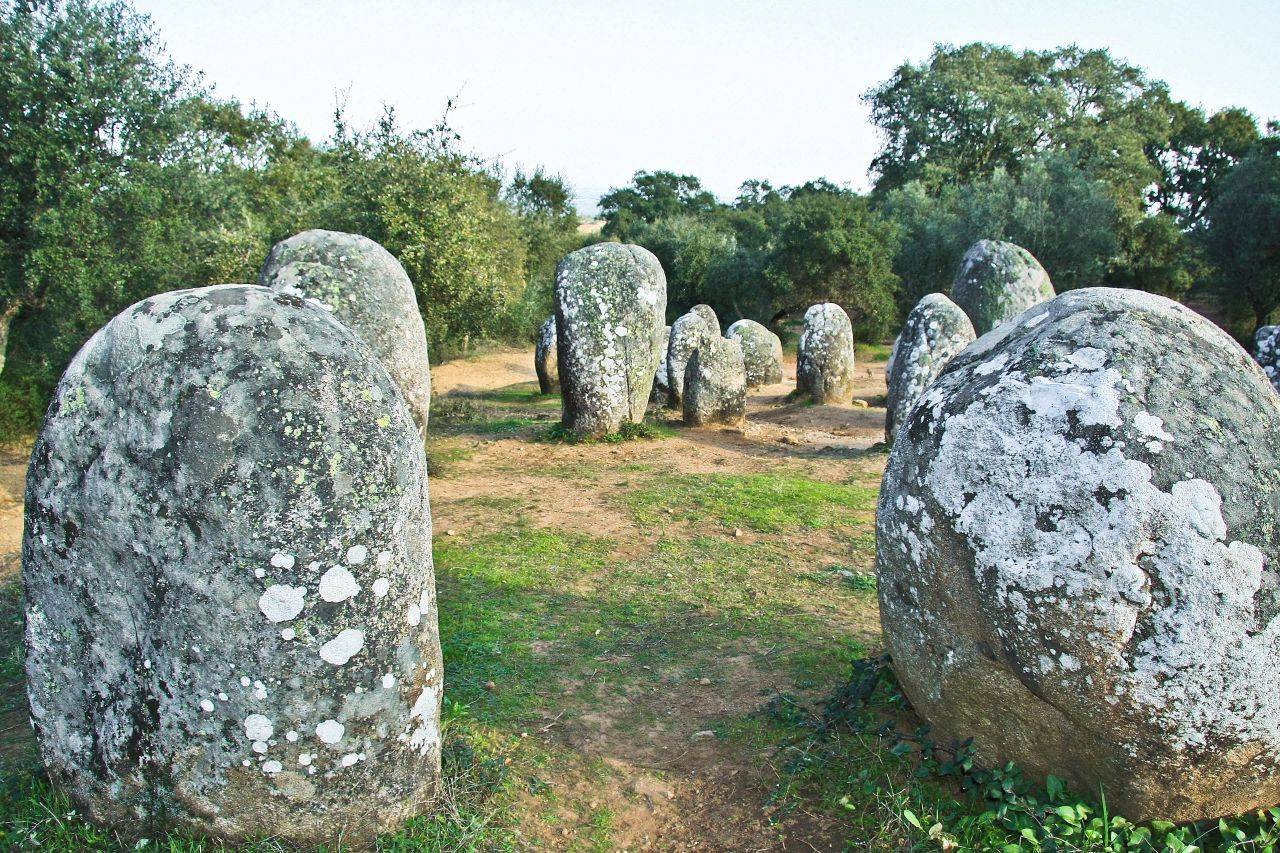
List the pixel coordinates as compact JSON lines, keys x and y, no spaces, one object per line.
{"x":122,"y":175}
{"x":1073,"y":154}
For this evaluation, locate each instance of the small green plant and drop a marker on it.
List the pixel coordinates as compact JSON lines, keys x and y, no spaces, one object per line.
{"x":997,"y":808}
{"x":629,"y":431}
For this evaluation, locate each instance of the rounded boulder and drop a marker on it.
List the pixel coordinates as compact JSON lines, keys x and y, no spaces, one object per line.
{"x":610,"y":301}
{"x":1076,"y":550}
{"x":230,"y":604}
{"x":824,"y":361}
{"x":997,"y":281}
{"x":367,"y":289}
{"x":935,"y":330}
{"x":715,"y":385}
{"x":761,"y":349}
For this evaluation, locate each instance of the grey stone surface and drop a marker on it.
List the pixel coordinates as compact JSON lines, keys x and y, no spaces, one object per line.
{"x":935,"y":330}
{"x":610,"y":303}
{"x":997,"y":281}
{"x":706,"y":312}
{"x":544,"y":357}
{"x":1267,"y":352}
{"x":715,"y":384}
{"x":661,"y":386}
{"x":688,"y":332}
{"x":761,"y":349}
{"x":824,"y":362}
{"x":230,"y":603}
{"x":368,"y":290}
{"x":1076,"y":549}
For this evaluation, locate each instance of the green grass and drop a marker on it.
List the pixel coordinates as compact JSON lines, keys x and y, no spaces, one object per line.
{"x":629,"y":431}
{"x":765,"y":503}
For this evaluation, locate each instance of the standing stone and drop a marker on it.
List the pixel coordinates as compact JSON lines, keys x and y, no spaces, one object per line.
{"x":368,"y":290}
{"x":610,"y":301}
{"x":661,"y":385}
{"x":936,"y":329}
{"x":824,"y":363}
{"x":762,"y":350}
{"x":706,"y":312}
{"x":1077,"y":546}
{"x":715,"y":384}
{"x":688,"y":332}
{"x":1267,"y":352}
{"x":230,"y":604}
{"x":544,"y":357}
{"x":997,"y":281}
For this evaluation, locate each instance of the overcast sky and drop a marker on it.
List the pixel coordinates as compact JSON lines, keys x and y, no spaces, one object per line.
{"x":725,"y":90}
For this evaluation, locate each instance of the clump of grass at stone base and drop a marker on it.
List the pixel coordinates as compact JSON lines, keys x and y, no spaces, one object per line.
{"x":900,"y":788}
{"x":629,"y":431}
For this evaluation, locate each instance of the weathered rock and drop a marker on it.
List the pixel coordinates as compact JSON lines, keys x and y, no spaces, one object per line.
{"x":544,"y":357}
{"x":715,"y":384}
{"x":997,"y":281}
{"x":230,"y":604}
{"x":936,"y":329}
{"x":368,"y":290}
{"x":661,"y":386}
{"x":761,"y":349}
{"x":610,"y":301}
{"x":1267,"y":352}
{"x":1076,"y":547}
{"x":708,"y":313}
{"x":688,"y":332}
{"x":824,"y":362}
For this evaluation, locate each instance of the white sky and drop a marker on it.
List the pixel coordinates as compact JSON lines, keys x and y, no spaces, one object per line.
{"x":722,"y":89}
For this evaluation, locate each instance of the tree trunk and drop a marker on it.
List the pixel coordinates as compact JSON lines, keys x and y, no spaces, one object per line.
{"x":7,"y":313}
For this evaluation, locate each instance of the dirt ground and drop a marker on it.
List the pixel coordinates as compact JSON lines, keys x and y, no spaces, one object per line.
{"x":667,"y":785}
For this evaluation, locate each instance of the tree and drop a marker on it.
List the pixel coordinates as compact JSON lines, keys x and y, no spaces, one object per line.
{"x":831,"y":246}
{"x":84,"y":96}
{"x":1242,"y":240}
{"x":1199,"y":154}
{"x":971,"y":110}
{"x":687,"y":248}
{"x":548,"y":223}
{"x":653,"y":196}
{"x":1052,"y":209}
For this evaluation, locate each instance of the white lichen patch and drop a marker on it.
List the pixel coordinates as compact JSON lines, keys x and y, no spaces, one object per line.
{"x":257,"y":727}
{"x":343,"y":647}
{"x":281,"y":602}
{"x":357,"y":554}
{"x":338,"y":584}
{"x":330,"y":732}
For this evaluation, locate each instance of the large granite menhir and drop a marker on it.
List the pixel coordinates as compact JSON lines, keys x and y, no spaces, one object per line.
{"x":935,"y":330}
{"x":368,"y":290}
{"x":715,"y":385}
{"x":997,"y":281}
{"x":694,"y":329}
{"x":762,"y":351}
{"x":230,"y":605}
{"x":824,"y":361}
{"x":610,"y":301}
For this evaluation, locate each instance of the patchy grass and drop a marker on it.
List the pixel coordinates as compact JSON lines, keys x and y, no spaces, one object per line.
{"x":765,"y":503}
{"x":629,"y":431}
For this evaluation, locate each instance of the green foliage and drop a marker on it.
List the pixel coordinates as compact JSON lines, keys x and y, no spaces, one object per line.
{"x":1242,"y":240}
{"x":653,"y":196}
{"x":121,"y":177}
{"x":1051,"y":208}
{"x":629,"y":431}
{"x":996,"y":808}
{"x":832,"y":247}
